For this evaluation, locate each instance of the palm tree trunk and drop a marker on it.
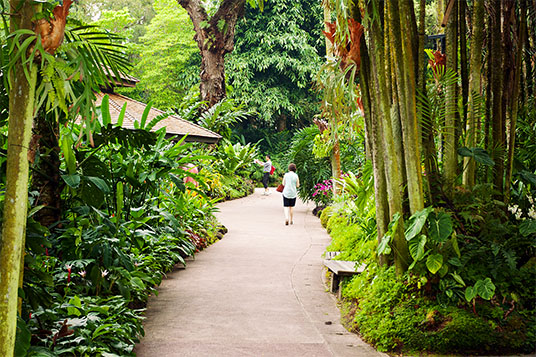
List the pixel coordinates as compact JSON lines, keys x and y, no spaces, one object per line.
{"x":497,"y":93}
{"x":390,"y":156}
{"x":21,"y":102}
{"x":405,"y":72}
{"x":475,"y":88}
{"x":462,"y":5}
{"x":370,"y":108}
{"x":514,"y":102}
{"x":450,"y":156}
{"x":46,"y":179}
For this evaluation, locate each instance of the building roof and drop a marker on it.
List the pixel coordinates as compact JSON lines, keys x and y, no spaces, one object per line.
{"x":175,"y":126}
{"x":124,"y":80}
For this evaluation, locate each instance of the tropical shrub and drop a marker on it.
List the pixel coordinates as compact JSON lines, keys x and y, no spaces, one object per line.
{"x":129,"y":215}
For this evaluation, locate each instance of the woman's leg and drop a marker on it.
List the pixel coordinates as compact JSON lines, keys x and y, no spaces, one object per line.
{"x":287,"y":210}
{"x":291,"y":214}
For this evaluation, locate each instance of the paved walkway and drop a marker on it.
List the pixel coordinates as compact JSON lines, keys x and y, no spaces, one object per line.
{"x":257,"y":292}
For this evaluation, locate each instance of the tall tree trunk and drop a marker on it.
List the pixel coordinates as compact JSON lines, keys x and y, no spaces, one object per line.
{"x":390,"y":155}
{"x":215,"y":38}
{"x":400,"y":19}
{"x":370,"y":107}
{"x":421,"y":72}
{"x":489,"y":98}
{"x":497,"y":100}
{"x":46,"y":177}
{"x":514,"y":101}
{"x":475,"y":89}
{"x":394,"y":87}
{"x":450,"y":156}
{"x":528,"y":67}
{"x":21,"y":103}
{"x":462,"y":5}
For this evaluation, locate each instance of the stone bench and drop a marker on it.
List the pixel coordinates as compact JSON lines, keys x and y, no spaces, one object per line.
{"x":341,"y":269}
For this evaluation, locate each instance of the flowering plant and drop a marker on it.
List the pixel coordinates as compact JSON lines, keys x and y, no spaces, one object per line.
{"x":323,"y":192}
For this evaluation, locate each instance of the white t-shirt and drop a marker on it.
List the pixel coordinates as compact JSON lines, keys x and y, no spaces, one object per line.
{"x":290,"y":181}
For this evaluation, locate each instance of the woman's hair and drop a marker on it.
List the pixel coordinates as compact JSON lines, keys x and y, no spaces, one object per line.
{"x":292,"y":167}
{"x":268,"y":156}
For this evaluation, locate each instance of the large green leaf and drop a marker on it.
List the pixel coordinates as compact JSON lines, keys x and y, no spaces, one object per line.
{"x":434,"y":262}
{"x":99,"y":183}
{"x":439,"y":227}
{"x":105,"y":111}
{"x":383,"y":247}
{"x":470,"y":293}
{"x":485,"y":288}
{"x":458,"y":278}
{"x":416,"y":247}
{"x":416,"y":222}
{"x":72,"y":181}
{"x":68,"y":154}
{"x":480,"y":155}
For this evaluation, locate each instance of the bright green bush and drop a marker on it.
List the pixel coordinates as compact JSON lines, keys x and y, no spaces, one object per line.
{"x":326,"y":215}
{"x":394,"y":314}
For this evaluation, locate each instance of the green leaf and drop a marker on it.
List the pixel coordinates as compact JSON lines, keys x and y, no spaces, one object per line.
{"x":480,"y":155}
{"x":72,"y":180}
{"x":470,"y":293}
{"x":99,"y":183}
{"x":439,"y":227}
{"x":145,"y":115}
{"x":68,"y":154}
{"x":527,"y":227}
{"x":416,"y":222}
{"x":485,"y":288}
{"x":383,"y":247}
{"x":22,"y":340}
{"x":35,"y":210}
{"x":458,"y":278}
{"x":138,"y":283}
{"x":434,"y":262}
{"x":75,"y":301}
{"x":72,"y":310}
{"x":102,"y":330}
{"x":122,"y":115}
{"x":416,"y":247}
{"x":455,"y":246}
{"x":105,"y":111}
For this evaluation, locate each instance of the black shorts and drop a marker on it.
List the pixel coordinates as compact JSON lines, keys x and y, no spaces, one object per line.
{"x":289,"y":202}
{"x":265,"y":179}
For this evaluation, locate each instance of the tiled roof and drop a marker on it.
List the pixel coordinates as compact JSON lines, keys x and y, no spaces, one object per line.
{"x":175,"y":126}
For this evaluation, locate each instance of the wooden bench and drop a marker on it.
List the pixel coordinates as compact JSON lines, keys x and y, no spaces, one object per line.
{"x":341,"y":269}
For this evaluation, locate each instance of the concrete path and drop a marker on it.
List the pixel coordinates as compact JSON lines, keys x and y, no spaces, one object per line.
{"x":257,"y":292}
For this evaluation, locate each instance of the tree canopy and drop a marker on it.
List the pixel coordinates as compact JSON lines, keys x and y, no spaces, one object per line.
{"x":277,"y":55}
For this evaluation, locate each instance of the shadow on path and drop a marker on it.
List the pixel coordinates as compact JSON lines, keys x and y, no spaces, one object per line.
{"x":257,"y":292}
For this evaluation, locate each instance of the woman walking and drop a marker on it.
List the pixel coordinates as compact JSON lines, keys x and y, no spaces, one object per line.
{"x":291,"y":181}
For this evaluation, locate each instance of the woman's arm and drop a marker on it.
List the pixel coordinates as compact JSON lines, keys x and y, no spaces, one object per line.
{"x":298,"y":182}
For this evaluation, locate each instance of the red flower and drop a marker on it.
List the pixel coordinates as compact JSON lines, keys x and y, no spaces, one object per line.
{"x":69,"y":267}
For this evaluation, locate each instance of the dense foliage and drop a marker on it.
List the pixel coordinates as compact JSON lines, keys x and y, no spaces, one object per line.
{"x":132,"y":209}
{"x":276,"y":57}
